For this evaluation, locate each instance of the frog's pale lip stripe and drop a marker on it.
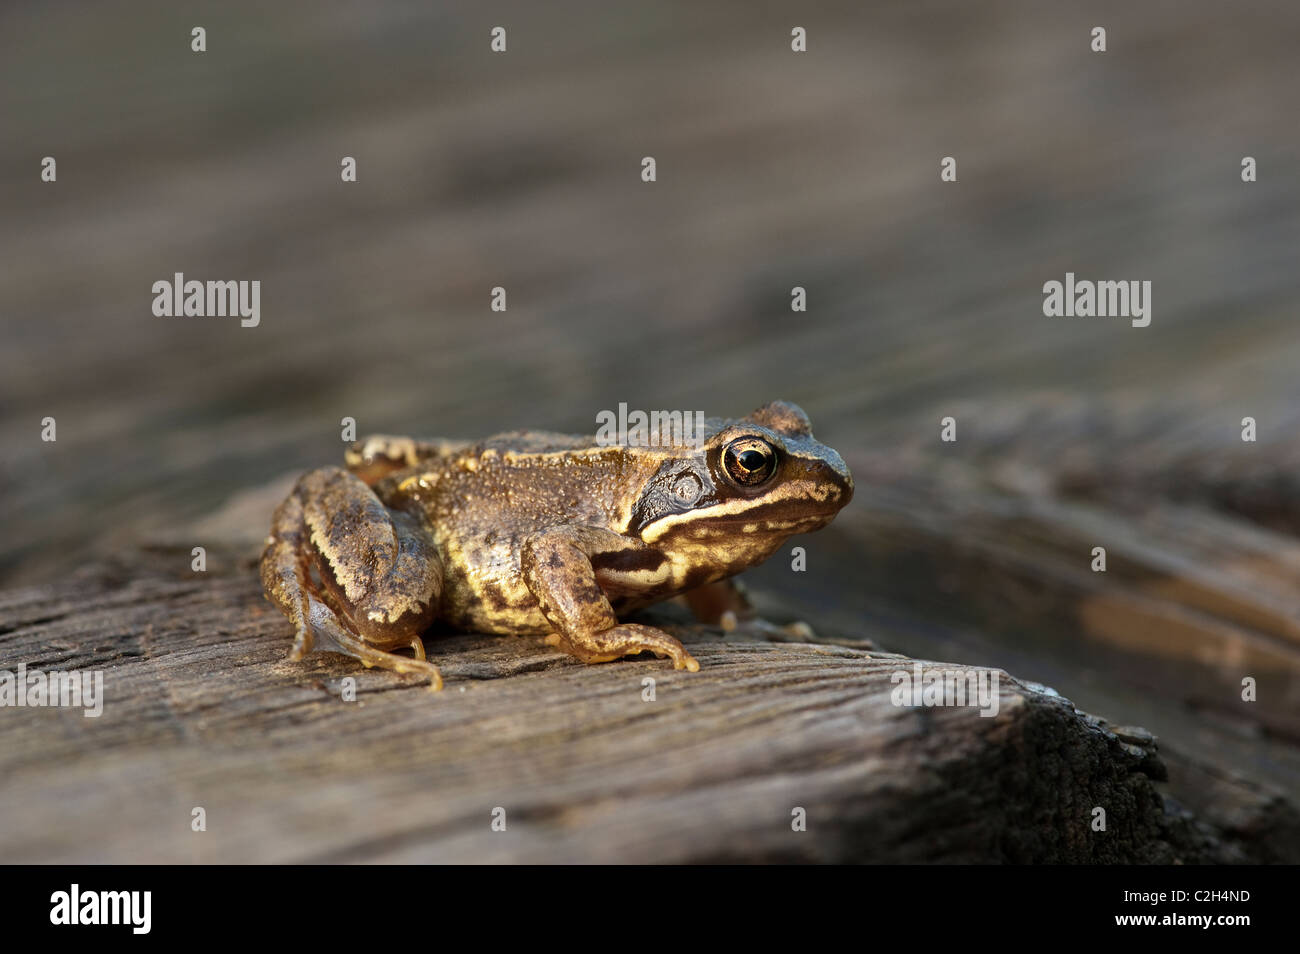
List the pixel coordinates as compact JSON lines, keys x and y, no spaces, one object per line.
{"x":639,"y":577}
{"x":742,"y":510}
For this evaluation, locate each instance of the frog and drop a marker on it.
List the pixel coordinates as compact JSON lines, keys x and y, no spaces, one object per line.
{"x":535,"y":533}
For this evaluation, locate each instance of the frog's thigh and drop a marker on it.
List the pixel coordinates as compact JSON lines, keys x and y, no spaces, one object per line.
{"x":556,"y":565}
{"x":380,"y":575}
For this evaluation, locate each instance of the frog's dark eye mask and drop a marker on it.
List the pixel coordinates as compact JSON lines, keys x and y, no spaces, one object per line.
{"x":678,"y":487}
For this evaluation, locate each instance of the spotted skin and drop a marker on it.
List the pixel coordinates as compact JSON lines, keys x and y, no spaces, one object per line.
{"x":535,"y":533}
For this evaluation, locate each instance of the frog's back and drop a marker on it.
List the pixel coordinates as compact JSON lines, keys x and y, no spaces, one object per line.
{"x":529,"y":480}
{"x":533,"y":442}
{"x":483,"y":503}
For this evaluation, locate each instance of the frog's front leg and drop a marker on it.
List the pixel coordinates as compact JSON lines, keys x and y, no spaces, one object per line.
{"x":352,"y":575}
{"x":557,"y":568}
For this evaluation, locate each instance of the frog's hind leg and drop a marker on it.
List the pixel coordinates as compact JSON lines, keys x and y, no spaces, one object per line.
{"x":352,"y":575}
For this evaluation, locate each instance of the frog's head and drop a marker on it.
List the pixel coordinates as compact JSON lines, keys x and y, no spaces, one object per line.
{"x":750,"y":485}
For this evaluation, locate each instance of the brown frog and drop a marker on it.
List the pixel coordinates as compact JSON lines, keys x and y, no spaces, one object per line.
{"x":539,"y":533}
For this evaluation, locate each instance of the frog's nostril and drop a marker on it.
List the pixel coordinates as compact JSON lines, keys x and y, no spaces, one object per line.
{"x":831,"y":471}
{"x":839,"y":470}
{"x":846,"y":484}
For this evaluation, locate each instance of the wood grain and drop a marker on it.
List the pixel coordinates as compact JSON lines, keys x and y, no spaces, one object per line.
{"x":201,"y":709}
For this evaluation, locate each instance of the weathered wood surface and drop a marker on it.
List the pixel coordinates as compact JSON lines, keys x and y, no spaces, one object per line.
{"x":202,"y":710}
{"x":984,"y":557}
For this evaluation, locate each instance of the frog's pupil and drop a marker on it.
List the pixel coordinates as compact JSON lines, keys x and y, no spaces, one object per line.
{"x":751,"y":460}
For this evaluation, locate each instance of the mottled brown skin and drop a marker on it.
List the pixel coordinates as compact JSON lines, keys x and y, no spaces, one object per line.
{"x":540,"y":533}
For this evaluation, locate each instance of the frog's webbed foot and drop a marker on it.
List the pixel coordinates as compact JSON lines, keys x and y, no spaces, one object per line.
{"x":558,"y":570}
{"x":798,"y":631}
{"x":725,"y":604}
{"x":378,"y":573}
{"x":626,"y":639}
{"x":717,"y":602}
{"x":326,"y":633}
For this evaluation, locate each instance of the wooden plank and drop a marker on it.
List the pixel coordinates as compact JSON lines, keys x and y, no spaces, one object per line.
{"x":202,"y":710}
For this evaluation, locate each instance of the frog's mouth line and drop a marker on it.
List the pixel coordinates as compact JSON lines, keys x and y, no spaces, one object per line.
{"x":769,"y":522}
{"x":768,"y":518}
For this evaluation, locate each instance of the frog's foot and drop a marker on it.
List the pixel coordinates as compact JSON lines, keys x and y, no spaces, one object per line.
{"x":323,"y":632}
{"x":352,"y":576}
{"x":725,"y":604}
{"x":715,"y":602}
{"x":328,"y":634}
{"x":626,"y":639}
{"x":798,"y":631}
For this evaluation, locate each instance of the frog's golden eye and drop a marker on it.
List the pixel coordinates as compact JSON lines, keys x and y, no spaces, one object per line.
{"x":749,"y":461}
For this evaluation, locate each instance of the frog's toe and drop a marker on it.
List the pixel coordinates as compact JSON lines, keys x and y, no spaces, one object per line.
{"x":373,"y":658}
{"x":328,"y":634}
{"x":689,"y":663}
{"x":627,"y":639}
{"x":302,"y":644}
{"x":796,"y":632}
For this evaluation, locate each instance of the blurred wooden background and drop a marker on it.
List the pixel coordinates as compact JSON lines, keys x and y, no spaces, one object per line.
{"x":775,"y":169}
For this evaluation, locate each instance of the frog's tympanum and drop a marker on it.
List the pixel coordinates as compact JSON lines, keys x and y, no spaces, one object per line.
{"x":538,"y":533}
